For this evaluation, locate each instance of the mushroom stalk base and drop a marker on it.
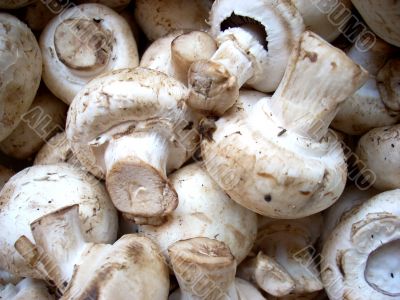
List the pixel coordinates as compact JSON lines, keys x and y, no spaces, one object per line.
{"x":136,"y":175}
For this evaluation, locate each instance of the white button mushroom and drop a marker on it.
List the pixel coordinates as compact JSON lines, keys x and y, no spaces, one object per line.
{"x":351,"y":197}
{"x":279,"y":159}
{"x":131,"y":267}
{"x":20,"y":71}
{"x":160,"y":17}
{"x":39,"y":190}
{"x":324,"y":17}
{"x":255,"y":40}
{"x":44,"y":118}
{"x":389,"y":84}
{"x":134,"y":125}
{"x":56,"y":150}
{"x":205,"y":269}
{"x":361,"y":259}
{"x":81,"y":43}
{"x":366,"y":108}
{"x":283,"y":264}
{"x":204,"y":210}
{"x":382,"y":17}
{"x":117,"y":5}
{"x":27,"y":288}
{"x":174,"y":53}
{"x":378,"y":152}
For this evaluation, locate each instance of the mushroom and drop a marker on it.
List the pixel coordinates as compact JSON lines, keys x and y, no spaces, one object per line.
{"x":365,"y":109}
{"x":312,"y":296}
{"x":39,"y":190}
{"x":18,"y":51}
{"x":377,"y":151}
{"x":322,"y":17}
{"x":56,"y":150}
{"x":45,"y":117}
{"x":84,"y":270}
{"x":388,"y":80}
{"x":160,"y":17}
{"x":280,"y":263}
{"x":382,"y":17}
{"x":361,"y":259}
{"x":8,"y":278}
{"x":135,"y":126}
{"x":117,"y":5}
{"x":352,"y":196}
{"x":205,"y":269}
{"x":279,"y":160}
{"x":81,"y":43}
{"x":174,"y":53}
{"x":204,"y":210}
{"x":12,"y":4}
{"x":5,"y":175}
{"x":255,"y":40}
{"x":27,"y":288}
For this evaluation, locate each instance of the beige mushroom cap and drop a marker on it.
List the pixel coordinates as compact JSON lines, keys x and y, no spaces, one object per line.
{"x":45,"y":117}
{"x":388,"y":80}
{"x":56,"y":150}
{"x":378,"y":152}
{"x":18,"y":51}
{"x":81,"y":43}
{"x":361,"y":259}
{"x":27,"y":288}
{"x":134,"y":123}
{"x":160,"y":17}
{"x":39,"y":190}
{"x":382,"y":17}
{"x":12,"y":4}
{"x":204,"y":210}
{"x":117,"y":5}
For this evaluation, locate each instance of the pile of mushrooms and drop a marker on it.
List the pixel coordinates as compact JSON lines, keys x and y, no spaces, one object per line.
{"x":199,"y":150}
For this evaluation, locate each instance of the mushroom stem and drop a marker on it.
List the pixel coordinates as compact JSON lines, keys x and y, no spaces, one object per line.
{"x":136,"y":175}
{"x":204,"y":268}
{"x":317,"y":79}
{"x":59,"y":245}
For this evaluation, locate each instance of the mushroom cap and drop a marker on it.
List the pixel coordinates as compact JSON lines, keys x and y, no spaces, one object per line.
{"x":352,"y":196}
{"x":361,"y":257}
{"x":132,"y":266}
{"x":204,"y":210}
{"x":27,"y":288}
{"x":377,"y":153}
{"x":284,"y":241}
{"x":117,"y":5}
{"x":56,"y":150}
{"x":382,"y":17}
{"x":172,"y":54}
{"x":45,"y":117}
{"x":389,"y":84}
{"x":283,"y":26}
{"x":19,"y":50}
{"x":160,"y":17}
{"x":366,"y":108}
{"x":272,"y":168}
{"x":5,"y":175}
{"x":70,"y":43}
{"x":319,"y":21}
{"x":123,"y":100}
{"x":12,"y":4}
{"x":39,"y":190}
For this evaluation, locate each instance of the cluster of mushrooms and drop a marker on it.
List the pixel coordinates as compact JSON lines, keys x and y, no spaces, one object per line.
{"x":175,"y":149}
